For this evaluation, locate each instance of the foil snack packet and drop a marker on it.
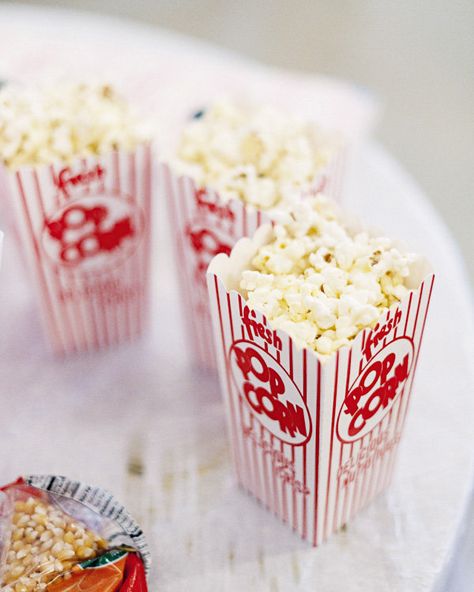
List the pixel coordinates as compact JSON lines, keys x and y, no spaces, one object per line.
{"x":60,"y":535}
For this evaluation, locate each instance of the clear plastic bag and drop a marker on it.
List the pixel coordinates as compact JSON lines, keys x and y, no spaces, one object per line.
{"x":58,"y":535}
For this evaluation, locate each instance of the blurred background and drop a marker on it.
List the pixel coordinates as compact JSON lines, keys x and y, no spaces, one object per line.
{"x":417,"y":56}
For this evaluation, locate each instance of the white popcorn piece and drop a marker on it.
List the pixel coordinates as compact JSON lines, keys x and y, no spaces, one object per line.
{"x":259,"y":155}
{"x":41,"y":125}
{"x":322,"y":282}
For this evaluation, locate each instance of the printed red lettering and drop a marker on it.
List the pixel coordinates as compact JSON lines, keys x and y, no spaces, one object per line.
{"x":66,"y":178}
{"x":256,"y":329}
{"x":264,"y":390}
{"x":378,"y":385}
{"x":379,"y":333}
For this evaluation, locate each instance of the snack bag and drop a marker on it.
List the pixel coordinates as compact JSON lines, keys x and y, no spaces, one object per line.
{"x":77,"y":181}
{"x":318,"y":326}
{"x":60,"y":535}
{"x":235,"y":168}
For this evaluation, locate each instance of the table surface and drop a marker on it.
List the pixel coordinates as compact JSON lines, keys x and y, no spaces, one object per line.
{"x":140,"y":422}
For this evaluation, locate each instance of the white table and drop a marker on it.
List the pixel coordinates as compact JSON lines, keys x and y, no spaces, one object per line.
{"x":140,"y":422}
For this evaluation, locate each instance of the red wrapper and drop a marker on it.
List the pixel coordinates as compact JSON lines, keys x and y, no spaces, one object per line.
{"x":205,"y":225}
{"x":313,"y":441}
{"x":84,"y":232}
{"x":120,"y":567}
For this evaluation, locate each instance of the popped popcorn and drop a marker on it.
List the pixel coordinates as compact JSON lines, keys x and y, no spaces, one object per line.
{"x":258,"y":155}
{"x":39,"y":126}
{"x":322,"y":281}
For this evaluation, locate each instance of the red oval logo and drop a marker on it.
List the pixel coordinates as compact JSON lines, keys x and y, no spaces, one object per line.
{"x":272,"y":396}
{"x":375,"y":390}
{"x":93,"y":231}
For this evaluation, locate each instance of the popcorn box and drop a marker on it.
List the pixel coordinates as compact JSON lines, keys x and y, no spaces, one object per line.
{"x":313,"y":440}
{"x":84,"y":233}
{"x":205,"y":225}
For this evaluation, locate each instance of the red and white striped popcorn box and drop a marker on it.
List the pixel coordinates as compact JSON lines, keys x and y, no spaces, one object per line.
{"x":84,"y":233}
{"x":313,"y":440}
{"x":204,"y":225}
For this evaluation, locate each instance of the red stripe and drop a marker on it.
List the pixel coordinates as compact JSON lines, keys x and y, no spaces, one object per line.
{"x":131,"y":307}
{"x":317,"y":441}
{"x":55,"y":271}
{"x":293,"y":495}
{"x":203,"y":322}
{"x":83,"y":321}
{"x":293,"y":492}
{"x":419,"y":343}
{"x":356,"y":483}
{"x":352,"y":485}
{"x":244,"y":219}
{"x":334,"y":520}
{"x":283,"y":488}
{"x":148,"y":230}
{"x":305,"y":388}
{"x":370,"y":469}
{"x":179,"y":254}
{"x":408,"y":313}
{"x":247,"y":478}
{"x":113,"y":306}
{"x":331,"y":445}
{"x":403,"y":398}
{"x":235,"y":444}
{"x":188,"y":275}
{"x":360,"y":499}
{"x":404,"y":334}
{"x":378,"y":462}
{"x":96,"y":342}
{"x":384,"y":460}
{"x":41,"y":277}
{"x":348,"y":493}
{"x":255,"y":465}
{"x":56,"y":192}
{"x":367,"y":473}
{"x":229,"y":308}
{"x":266,"y":480}
{"x":290,"y":348}
{"x":102,"y":185}
{"x":116,"y":184}
{"x":86,"y":187}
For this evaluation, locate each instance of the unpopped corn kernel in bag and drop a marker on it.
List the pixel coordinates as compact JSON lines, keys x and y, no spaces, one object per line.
{"x":58,"y":535}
